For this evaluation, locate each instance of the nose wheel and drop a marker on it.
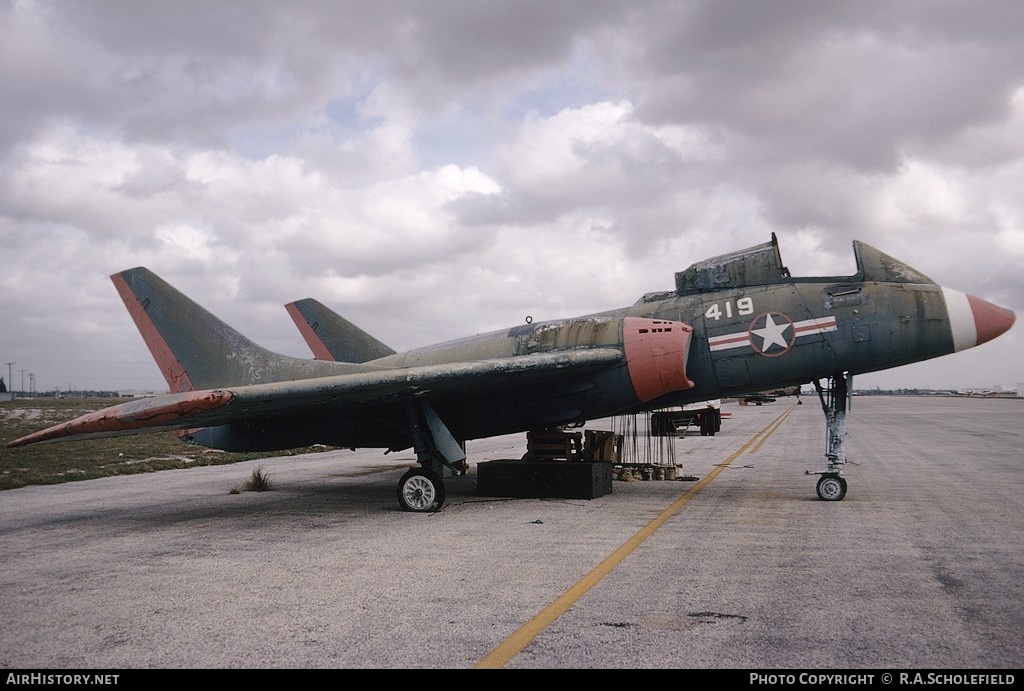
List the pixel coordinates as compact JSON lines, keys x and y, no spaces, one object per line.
{"x":831,"y":487}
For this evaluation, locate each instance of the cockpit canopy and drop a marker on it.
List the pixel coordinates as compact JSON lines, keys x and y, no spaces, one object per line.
{"x":762,"y":265}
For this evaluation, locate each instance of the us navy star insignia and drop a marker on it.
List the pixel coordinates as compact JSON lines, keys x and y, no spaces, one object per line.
{"x":771,"y":330}
{"x":772,"y":333}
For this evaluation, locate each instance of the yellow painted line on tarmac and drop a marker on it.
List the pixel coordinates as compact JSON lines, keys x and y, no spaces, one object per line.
{"x":515,"y":643}
{"x":767,"y":431}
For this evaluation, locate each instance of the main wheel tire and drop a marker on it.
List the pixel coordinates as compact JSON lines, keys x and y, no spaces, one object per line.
{"x":831,"y":487}
{"x":421,"y":490}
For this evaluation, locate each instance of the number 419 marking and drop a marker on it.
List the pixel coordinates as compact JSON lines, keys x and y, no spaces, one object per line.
{"x":744,"y":306}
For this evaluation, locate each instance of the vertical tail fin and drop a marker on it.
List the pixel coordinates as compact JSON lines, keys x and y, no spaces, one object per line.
{"x":332,"y":337}
{"x":194,"y":349}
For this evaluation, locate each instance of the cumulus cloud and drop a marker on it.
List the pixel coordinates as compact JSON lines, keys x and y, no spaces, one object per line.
{"x":438,"y":169}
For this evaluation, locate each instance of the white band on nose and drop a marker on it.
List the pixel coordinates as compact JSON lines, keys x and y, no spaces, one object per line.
{"x":961,"y":319}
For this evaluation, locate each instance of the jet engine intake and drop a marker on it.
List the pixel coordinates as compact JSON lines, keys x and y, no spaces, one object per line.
{"x":656,"y":351}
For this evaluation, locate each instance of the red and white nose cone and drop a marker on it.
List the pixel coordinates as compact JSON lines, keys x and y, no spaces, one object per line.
{"x":975,"y":321}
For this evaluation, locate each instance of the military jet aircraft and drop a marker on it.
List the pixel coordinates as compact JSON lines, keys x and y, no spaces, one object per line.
{"x":733,"y":324}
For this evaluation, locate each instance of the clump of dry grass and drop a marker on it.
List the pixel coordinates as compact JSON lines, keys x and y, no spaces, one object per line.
{"x":258,"y":482}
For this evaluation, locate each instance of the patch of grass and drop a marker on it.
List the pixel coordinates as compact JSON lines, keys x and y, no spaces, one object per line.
{"x":258,"y":482}
{"x":47,"y":464}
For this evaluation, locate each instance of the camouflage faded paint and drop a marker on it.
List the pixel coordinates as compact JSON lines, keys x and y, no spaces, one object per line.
{"x":332,"y":337}
{"x":734,"y":324}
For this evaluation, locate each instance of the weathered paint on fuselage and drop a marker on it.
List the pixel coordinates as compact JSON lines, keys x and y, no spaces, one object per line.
{"x":791,"y":334}
{"x":820,"y":327}
{"x":750,"y":326}
{"x":527,"y":402}
{"x":788,"y":332}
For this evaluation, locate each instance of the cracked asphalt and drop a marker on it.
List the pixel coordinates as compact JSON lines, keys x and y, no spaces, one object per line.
{"x":918,"y":567}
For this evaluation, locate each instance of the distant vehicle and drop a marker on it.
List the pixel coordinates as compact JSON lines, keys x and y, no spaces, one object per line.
{"x":734,"y":324}
{"x":706,"y":415}
{"x":770,"y":395}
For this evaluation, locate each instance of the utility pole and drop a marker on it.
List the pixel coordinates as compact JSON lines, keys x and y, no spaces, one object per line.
{"x":10,"y":382}
{"x":22,"y":389}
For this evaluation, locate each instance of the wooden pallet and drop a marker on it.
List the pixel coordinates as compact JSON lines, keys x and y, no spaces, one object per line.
{"x":554,"y":446}
{"x":602,"y":446}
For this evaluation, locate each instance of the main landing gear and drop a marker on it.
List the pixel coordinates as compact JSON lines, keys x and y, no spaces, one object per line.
{"x":421,"y":489}
{"x":439,"y":454}
{"x":832,"y":485}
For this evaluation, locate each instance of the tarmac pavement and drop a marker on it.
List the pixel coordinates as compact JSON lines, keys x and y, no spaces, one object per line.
{"x":740,"y":567}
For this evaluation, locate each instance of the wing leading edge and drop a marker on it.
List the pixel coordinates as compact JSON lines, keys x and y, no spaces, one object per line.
{"x":342,"y":394}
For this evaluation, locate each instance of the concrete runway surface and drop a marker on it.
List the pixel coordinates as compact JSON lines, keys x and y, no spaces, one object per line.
{"x":920,"y":567}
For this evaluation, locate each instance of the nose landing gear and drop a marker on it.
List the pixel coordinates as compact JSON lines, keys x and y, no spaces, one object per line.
{"x":832,"y":485}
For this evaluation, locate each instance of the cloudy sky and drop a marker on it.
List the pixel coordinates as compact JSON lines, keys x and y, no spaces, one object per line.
{"x":437,"y":168}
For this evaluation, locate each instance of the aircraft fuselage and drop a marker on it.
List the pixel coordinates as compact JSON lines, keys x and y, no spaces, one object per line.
{"x":742,"y":339}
